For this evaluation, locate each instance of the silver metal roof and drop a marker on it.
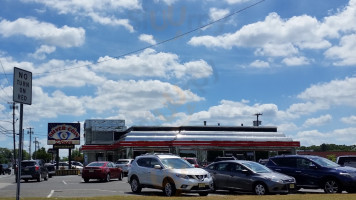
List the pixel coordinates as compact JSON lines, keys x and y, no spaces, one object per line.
{"x":205,"y":136}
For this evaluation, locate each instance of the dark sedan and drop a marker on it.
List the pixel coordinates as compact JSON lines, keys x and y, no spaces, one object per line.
{"x":102,"y":170}
{"x":249,"y":176}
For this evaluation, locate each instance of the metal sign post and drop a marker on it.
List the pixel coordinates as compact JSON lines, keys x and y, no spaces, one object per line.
{"x":22,"y":93}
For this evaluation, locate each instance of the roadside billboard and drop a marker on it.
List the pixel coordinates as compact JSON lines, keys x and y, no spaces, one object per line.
{"x":63,"y":133}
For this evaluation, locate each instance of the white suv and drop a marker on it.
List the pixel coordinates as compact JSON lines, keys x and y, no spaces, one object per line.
{"x":170,"y":173}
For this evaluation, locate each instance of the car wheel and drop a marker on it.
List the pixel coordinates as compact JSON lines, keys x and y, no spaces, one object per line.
{"x":50,"y":175}
{"x":39,"y":178}
{"x":332,"y":186}
{"x":260,"y":189}
{"x":169,"y":189}
{"x":121,"y":176}
{"x":135,"y":185}
{"x":26,"y":180}
{"x":107,"y":178}
{"x":86,"y":180}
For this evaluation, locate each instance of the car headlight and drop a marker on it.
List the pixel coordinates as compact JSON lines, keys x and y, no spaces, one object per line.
{"x":277,"y":180}
{"x":184,"y":176}
{"x":344,"y":174}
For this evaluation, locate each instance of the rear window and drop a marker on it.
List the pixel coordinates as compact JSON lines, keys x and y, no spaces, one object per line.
{"x":343,"y":160}
{"x":28,"y":164}
{"x":96,"y":164}
{"x":122,"y":162}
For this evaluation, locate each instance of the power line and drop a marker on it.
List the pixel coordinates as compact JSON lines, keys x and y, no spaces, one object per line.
{"x":2,"y":88}
{"x":159,"y":43}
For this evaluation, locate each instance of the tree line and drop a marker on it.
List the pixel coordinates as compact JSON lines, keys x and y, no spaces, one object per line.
{"x":6,"y":155}
{"x":328,"y":147}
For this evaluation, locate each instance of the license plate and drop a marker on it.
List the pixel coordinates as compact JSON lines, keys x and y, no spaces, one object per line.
{"x":27,"y":169}
{"x":91,"y":170}
{"x":201,"y":185}
{"x":291,"y":186}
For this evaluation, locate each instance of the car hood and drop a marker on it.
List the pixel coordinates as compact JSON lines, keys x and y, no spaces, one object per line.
{"x":346,"y":169}
{"x":189,"y":171}
{"x":275,"y":175}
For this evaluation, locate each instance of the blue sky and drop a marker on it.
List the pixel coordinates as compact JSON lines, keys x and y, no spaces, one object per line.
{"x":293,"y":61}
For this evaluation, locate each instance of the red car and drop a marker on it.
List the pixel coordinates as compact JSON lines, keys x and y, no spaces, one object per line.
{"x":102,"y":170}
{"x":192,"y":161}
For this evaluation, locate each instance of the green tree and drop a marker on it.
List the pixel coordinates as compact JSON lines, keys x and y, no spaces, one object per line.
{"x":77,"y":155}
{"x":42,"y":154}
{"x":5,"y":155}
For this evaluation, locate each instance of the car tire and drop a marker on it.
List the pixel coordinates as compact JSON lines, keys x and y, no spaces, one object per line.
{"x":107,"y":178}
{"x":169,"y":189}
{"x":260,"y":189}
{"x":39,"y":179}
{"x":50,"y":175}
{"x":86,"y":180}
{"x":135,"y":185}
{"x":26,"y":180}
{"x":121,"y":176}
{"x":332,"y":186}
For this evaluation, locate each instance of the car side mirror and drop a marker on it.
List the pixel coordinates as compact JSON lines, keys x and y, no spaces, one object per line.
{"x":157,"y":167}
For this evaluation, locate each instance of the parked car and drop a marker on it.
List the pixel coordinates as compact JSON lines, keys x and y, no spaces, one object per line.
{"x":102,"y":170}
{"x":33,"y":169}
{"x":347,"y":160}
{"x":170,"y":173}
{"x":124,"y":164}
{"x":192,"y":161}
{"x":315,"y":172}
{"x":62,"y":165}
{"x":249,"y":176}
{"x":5,"y":169}
{"x":51,"y":169}
{"x":77,"y":165}
{"x":217,"y":159}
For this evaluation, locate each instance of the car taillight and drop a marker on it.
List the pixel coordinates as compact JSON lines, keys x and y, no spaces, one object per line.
{"x":37,"y":168}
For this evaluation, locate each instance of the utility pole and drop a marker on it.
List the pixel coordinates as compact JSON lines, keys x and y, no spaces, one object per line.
{"x":35,"y":146}
{"x":258,"y":122}
{"x":13,"y":106}
{"x":29,"y":146}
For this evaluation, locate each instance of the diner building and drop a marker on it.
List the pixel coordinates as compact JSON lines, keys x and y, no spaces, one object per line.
{"x":111,"y":140}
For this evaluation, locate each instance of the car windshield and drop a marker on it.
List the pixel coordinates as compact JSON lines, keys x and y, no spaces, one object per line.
{"x":256,"y":167}
{"x":96,"y":164}
{"x":176,"y":163}
{"x":324,"y":162}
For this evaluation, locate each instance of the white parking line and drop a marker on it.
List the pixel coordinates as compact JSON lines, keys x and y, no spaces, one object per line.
{"x":65,"y":183}
{"x":50,"y":194}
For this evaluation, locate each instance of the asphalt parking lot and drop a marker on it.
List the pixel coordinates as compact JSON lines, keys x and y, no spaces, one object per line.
{"x":74,"y":186}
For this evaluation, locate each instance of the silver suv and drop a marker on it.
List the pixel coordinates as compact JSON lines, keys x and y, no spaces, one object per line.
{"x":170,"y":173}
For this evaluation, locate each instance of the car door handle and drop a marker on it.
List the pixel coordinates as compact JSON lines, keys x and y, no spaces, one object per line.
{"x":298,"y":171}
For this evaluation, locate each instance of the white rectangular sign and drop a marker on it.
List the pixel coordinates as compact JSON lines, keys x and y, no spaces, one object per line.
{"x":22,"y":92}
